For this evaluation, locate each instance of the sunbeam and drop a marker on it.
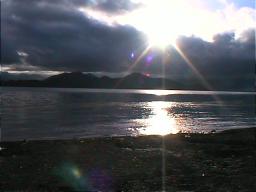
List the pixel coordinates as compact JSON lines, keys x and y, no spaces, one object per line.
{"x":139,"y":58}
{"x":198,"y":74}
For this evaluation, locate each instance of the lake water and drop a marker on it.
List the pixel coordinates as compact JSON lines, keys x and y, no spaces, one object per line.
{"x":49,"y":113}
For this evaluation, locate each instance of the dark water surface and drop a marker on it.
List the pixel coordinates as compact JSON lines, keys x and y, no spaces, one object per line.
{"x":49,"y":113}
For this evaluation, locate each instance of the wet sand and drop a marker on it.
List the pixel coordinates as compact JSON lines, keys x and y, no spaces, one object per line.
{"x":183,"y":162}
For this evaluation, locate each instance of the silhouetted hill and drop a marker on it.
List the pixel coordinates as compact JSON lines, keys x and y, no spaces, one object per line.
{"x":75,"y":79}
{"x":80,"y":80}
{"x":132,"y":81}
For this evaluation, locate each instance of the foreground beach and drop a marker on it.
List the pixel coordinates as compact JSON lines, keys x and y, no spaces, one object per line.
{"x":183,"y":162}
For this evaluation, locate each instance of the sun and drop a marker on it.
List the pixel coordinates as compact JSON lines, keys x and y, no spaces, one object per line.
{"x":161,"y":21}
{"x":160,"y":41}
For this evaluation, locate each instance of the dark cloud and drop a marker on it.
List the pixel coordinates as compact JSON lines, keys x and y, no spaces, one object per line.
{"x":225,"y":56}
{"x":114,"y":6}
{"x":55,"y":35}
{"x":60,"y":37}
{"x":8,"y":53}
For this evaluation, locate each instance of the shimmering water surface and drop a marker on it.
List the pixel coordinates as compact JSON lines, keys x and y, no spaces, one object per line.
{"x":49,"y":113}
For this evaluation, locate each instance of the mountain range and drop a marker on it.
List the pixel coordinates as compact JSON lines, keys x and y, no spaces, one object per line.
{"x":132,"y":81}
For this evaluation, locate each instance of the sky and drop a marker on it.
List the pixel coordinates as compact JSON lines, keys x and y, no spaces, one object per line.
{"x":186,"y":38}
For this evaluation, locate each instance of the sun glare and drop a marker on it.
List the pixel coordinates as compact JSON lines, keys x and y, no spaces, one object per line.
{"x":160,"y":41}
{"x":162,"y":21}
{"x":160,"y":123}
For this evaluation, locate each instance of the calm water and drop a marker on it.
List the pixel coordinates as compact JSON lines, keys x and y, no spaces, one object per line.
{"x":47,"y":113}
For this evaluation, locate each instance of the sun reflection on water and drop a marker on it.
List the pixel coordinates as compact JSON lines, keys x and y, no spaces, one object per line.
{"x":160,"y":122}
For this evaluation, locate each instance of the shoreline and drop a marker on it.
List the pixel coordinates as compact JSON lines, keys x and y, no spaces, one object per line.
{"x":97,"y":137}
{"x":222,"y":161}
{"x":131,"y":90}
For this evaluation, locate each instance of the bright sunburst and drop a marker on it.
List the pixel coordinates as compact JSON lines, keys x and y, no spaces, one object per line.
{"x":162,"y":21}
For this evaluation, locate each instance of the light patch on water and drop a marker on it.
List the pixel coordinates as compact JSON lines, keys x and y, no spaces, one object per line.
{"x":160,"y":123}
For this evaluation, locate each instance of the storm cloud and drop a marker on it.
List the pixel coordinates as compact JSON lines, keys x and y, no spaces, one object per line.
{"x":57,"y":36}
{"x":60,"y":37}
{"x":224,"y":56}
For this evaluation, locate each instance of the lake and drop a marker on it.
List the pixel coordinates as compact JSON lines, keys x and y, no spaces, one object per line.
{"x":61,"y":113}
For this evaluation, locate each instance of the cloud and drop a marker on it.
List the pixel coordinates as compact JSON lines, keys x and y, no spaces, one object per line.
{"x":50,"y":35}
{"x":57,"y":36}
{"x":113,"y":6}
{"x":196,"y":17}
{"x":224,"y":57}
